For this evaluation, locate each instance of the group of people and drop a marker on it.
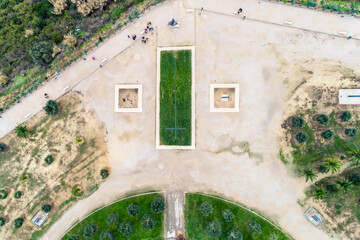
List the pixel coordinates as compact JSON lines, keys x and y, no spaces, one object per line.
{"x":148,"y":28}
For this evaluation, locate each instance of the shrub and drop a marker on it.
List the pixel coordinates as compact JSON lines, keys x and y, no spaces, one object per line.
{"x":126,"y":228}
{"x":3,"y":194}
{"x":332,"y":188}
{"x":311,"y":4}
{"x":21,"y":130}
{"x":104,"y":173}
{"x":73,"y":238}
{"x":56,"y":37}
{"x":298,"y":122}
{"x":351,"y":132}
{"x":321,"y":168}
{"x":234,"y":234}
{"x":51,"y":107}
{"x":345,"y":116}
{"x":2,"y":221}
{"x":158,"y":205}
{"x":328,"y":134}
{"x":18,"y":222}
{"x":301,"y":137}
{"x":255,"y":227}
{"x":205,"y":209}
{"x":148,"y":221}
{"x":133,"y":210}
{"x":18,"y":194}
{"x":115,"y":14}
{"x":322,"y":119}
{"x":89,"y":230}
{"x":2,"y":147}
{"x":214,"y":229}
{"x":49,"y":159}
{"x":112,"y":220}
{"x":107,"y":235}
{"x":41,"y":53}
{"x":46,"y":208}
{"x":227,"y":215}
{"x":355,"y":179}
{"x":76,"y":190}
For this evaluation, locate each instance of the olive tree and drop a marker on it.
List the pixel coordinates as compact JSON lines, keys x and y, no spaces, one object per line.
{"x":49,"y":159}
{"x":41,"y":53}
{"x":227,"y":215}
{"x":18,"y":222}
{"x":51,"y":107}
{"x":148,"y":221}
{"x":158,"y":205}
{"x":89,"y":230}
{"x":3,"y":194}
{"x":297,"y":122}
{"x":301,"y":137}
{"x":213,"y":229}
{"x":205,"y":209}
{"x":133,"y":210}
{"x":345,"y":116}
{"x":46,"y":208}
{"x":126,"y":228}
{"x":107,"y":235}
{"x":2,"y":147}
{"x":104,"y":173}
{"x":2,"y":221}
{"x":255,"y":227}
{"x":322,"y":119}
{"x":18,"y":194}
{"x":234,"y":234}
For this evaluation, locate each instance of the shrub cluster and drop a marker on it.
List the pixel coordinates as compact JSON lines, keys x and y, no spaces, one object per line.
{"x":345,"y":116}
{"x":18,"y":222}
{"x":104,"y":173}
{"x":234,"y":234}
{"x":297,"y":122}
{"x":301,"y":137}
{"x":214,"y":229}
{"x":2,"y":221}
{"x":107,"y":235}
{"x":112,"y":220}
{"x":89,"y":230}
{"x":126,"y":228}
{"x":255,"y":227}
{"x":51,"y":107}
{"x":158,"y":205}
{"x":227,"y":215}
{"x":46,"y":208}
{"x":351,"y":132}
{"x":133,"y":209}
{"x":2,"y":147}
{"x":3,"y":194}
{"x":18,"y":194}
{"x":322,"y":119}
{"x":49,"y":159}
{"x":148,"y":221}
{"x":328,"y":134}
{"x":205,"y":209}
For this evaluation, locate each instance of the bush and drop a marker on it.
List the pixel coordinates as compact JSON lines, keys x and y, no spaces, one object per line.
{"x":49,"y":159}
{"x":76,"y":191}
{"x":3,"y":194}
{"x":234,"y":234}
{"x":2,"y":147}
{"x":126,"y":228}
{"x":2,"y":221}
{"x":51,"y":107}
{"x":158,"y":205}
{"x":351,"y":132}
{"x":345,"y":116}
{"x":322,"y":119}
{"x":56,"y":37}
{"x":355,"y":179}
{"x":205,"y":209}
{"x":214,"y":229}
{"x":21,"y":130}
{"x":301,"y":137}
{"x":73,"y":238}
{"x":328,"y":134}
{"x":133,"y":210}
{"x":321,"y":169}
{"x":104,"y":173}
{"x":332,"y":188}
{"x":311,"y":4}
{"x":18,"y":194}
{"x":148,"y":221}
{"x":41,"y":53}
{"x":18,"y":222}
{"x":107,"y":235}
{"x":255,"y":227}
{"x":298,"y":122}
{"x":112,"y":220}
{"x":115,"y":14}
{"x":227,"y":215}
{"x":89,"y":230}
{"x":46,"y":208}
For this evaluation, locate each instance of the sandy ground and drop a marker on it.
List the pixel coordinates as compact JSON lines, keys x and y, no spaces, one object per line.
{"x":229,"y":92}
{"x":128,"y":98}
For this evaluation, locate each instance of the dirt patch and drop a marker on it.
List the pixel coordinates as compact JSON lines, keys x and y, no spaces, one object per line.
{"x":224,"y":97}
{"x":128,"y":98}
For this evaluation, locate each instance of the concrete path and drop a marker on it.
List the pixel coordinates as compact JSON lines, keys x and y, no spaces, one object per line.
{"x":174,"y":214}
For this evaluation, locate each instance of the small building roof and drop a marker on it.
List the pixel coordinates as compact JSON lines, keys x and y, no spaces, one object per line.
{"x":314,"y":216}
{"x":39,"y":218}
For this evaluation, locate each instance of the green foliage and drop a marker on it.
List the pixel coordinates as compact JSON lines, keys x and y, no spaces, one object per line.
{"x":355,"y":179}
{"x":148,"y":221}
{"x":2,"y":147}
{"x":205,"y":209}
{"x":18,"y":194}
{"x":107,"y":235}
{"x":158,"y":205}
{"x":115,"y":14}
{"x":301,"y":137}
{"x":46,"y":208}
{"x":89,"y":230}
{"x":104,"y":173}
{"x":297,"y":122}
{"x":345,"y":184}
{"x":3,"y":194}
{"x":255,"y":227}
{"x":213,"y":229}
{"x":133,"y":210}
{"x":234,"y":234}
{"x":51,"y":107}
{"x":355,"y":154}
{"x":332,"y":164}
{"x":328,"y":134}
{"x":126,"y":228}
{"x":311,"y":4}
{"x":18,"y":222}
{"x":321,"y":168}
{"x":76,"y":191}
{"x":21,"y":130}
{"x":309,"y":174}
{"x":56,"y":37}
{"x":41,"y":53}
{"x":351,"y":132}
{"x":73,"y":238}
{"x":49,"y":159}
{"x":318,"y":193}
{"x":332,"y":188}
{"x":112,"y":220}
{"x":2,"y":221}
{"x":345,"y":116}
{"x":227,"y":215}
{"x":322,"y":119}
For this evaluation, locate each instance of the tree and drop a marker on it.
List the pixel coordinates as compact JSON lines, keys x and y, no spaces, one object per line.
{"x":126,"y":228}
{"x":2,"y":221}
{"x":18,"y":222}
{"x":3,"y":194}
{"x":345,"y":184}
{"x":22,"y":130}
{"x":73,"y":238}
{"x":112,"y":220}
{"x":322,"y":119}
{"x":107,"y":235}
{"x":18,"y":194}
{"x":301,"y":137}
{"x":51,"y":107}
{"x":205,"y":209}
{"x":46,"y":208}
{"x":213,"y":229}
{"x":345,"y":116}
{"x":2,"y":147}
{"x":297,"y":122}
{"x":351,"y":132}
{"x":89,"y":230}
{"x":319,"y":193}
{"x":148,"y":221}
{"x":309,"y":174}
{"x":104,"y":173}
{"x":355,"y":152}
{"x":41,"y":53}
{"x":227,"y":215}
{"x":158,"y":205}
{"x":49,"y":159}
{"x":133,"y":209}
{"x":332,"y":164}
{"x":234,"y":234}
{"x":255,"y":227}
{"x":327,"y":135}
{"x":56,"y":37}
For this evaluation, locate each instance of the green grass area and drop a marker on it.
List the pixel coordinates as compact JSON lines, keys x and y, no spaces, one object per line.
{"x":99,"y":218}
{"x":183,"y":97}
{"x":196,"y":223}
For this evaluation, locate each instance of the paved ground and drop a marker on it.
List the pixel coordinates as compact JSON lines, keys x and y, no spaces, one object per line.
{"x":174,"y":213}
{"x":236,"y":153}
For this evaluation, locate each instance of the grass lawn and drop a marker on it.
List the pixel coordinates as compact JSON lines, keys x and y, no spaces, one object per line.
{"x":196,"y":223}
{"x":119,"y":208}
{"x":183,"y":97}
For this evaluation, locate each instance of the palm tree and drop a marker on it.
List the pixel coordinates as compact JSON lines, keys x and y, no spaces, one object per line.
{"x":345,"y":184}
{"x":309,"y":174}
{"x":22,"y":130}
{"x":319,"y":193}
{"x":355,"y":152}
{"x":332,"y":164}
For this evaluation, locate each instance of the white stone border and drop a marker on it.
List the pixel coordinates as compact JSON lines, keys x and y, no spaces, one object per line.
{"x":226,"y":85}
{"x":159,"y":49}
{"x":130,"y":86}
